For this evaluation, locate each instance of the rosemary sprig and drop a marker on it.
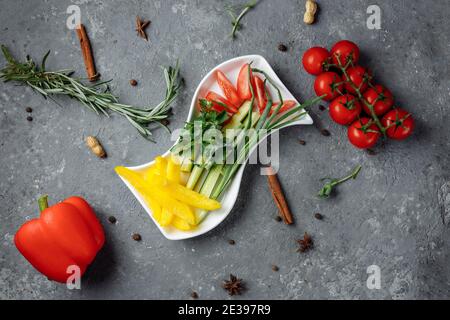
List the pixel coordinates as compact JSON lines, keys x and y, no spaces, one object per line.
{"x":333,"y":182}
{"x":236,"y":20}
{"x":96,"y":97}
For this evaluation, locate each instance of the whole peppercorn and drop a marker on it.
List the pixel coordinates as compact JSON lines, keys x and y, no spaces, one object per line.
{"x":278,"y":219}
{"x":136,"y":237}
{"x":325,"y":132}
{"x":302,"y":142}
{"x":112,"y":219}
{"x":275,"y":268}
{"x":29,"y":110}
{"x":322,"y":108}
{"x":30,"y":118}
{"x":282,"y":47}
{"x":194,"y":295}
{"x":133,"y":82}
{"x":232,"y":242}
{"x":318,"y":216}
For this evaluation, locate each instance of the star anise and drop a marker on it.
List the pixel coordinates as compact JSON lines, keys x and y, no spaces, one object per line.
{"x":234,"y":286}
{"x":140,"y":27}
{"x":305,"y":244}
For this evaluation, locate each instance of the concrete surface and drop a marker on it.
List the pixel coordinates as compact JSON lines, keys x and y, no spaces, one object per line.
{"x":395,"y":215}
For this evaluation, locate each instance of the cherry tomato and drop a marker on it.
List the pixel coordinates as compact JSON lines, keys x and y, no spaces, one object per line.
{"x":260,"y":94}
{"x":287,"y":104}
{"x":243,"y":87}
{"x":363,"y":138}
{"x":228,"y":89}
{"x":329,"y":83}
{"x":359,"y":76}
{"x":345,"y":109}
{"x":383,"y":97}
{"x":314,"y":60}
{"x":400,"y":123}
{"x":214,"y":98}
{"x":344,"y":50}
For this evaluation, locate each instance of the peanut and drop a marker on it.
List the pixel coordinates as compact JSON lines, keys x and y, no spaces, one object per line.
{"x":95,"y":146}
{"x":311,"y":9}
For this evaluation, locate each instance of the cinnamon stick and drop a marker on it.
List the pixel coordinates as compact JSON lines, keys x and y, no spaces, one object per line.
{"x":87,"y":53}
{"x":278,"y":196}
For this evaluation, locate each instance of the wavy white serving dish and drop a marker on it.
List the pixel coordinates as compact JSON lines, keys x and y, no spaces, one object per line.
{"x":214,"y":218}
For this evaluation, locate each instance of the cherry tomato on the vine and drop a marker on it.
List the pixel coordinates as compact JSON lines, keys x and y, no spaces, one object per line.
{"x":363,"y":134}
{"x":399,"y":122}
{"x":345,"y":109}
{"x":360,"y":78}
{"x":380,"y":97}
{"x":328,"y":83}
{"x":344,"y":50}
{"x":314,"y":60}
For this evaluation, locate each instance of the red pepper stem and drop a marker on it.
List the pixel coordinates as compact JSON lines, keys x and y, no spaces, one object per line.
{"x":43,"y":202}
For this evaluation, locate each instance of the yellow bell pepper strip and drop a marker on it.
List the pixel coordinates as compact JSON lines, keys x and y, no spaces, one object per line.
{"x":163,"y":196}
{"x":181,"y":224}
{"x":184,"y":194}
{"x":166,"y":217}
{"x":154,"y":206}
{"x":148,"y":174}
{"x":173,"y":171}
{"x":161,"y":165}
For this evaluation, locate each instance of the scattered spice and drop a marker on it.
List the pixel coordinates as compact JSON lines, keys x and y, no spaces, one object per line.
{"x":282,"y":47}
{"x":275,"y":268}
{"x":333,"y":182}
{"x":95,"y":146}
{"x":278,"y":196}
{"x":232,"y":242}
{"x":322,"y":107}
{"x":136,"y":237}
{"x":112,"y":219}
{"x":371,"y":152}
{"x":325,"y":132}
{"x":86,"y":51}
{"x":305,"y":244}
{"x":194,"y":295}
{"x":234,"y":286}
{"x":140,"y":27}
{"x":29,"y":110}
{"x":318,"y":216}
{"x":165,"y":122}
{"x":133,"y":82}
{"x":30,"y":118}
{"x":278,"y":219}
{"x":302,"y":142}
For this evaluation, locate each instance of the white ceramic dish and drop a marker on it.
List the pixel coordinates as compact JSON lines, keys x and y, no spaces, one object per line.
{"x":231,"y":69}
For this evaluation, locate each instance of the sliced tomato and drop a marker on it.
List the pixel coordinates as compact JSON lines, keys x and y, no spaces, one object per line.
{"x":228,"y":89}
{"x":243,"y":87}
{"x":287,"y":104}
{"x":260,"y":94}
{"x":214,"y":98}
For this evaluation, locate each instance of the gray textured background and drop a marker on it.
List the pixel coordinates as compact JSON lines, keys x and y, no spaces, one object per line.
{"x":395,"y":215}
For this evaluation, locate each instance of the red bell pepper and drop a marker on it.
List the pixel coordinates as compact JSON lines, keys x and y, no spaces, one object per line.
{"x":65,"y":234}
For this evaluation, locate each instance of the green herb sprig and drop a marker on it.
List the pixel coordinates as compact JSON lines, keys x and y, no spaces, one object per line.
{"x":236,"y":20}
{"x":96,"y":97}
{"x":325,"y":192}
